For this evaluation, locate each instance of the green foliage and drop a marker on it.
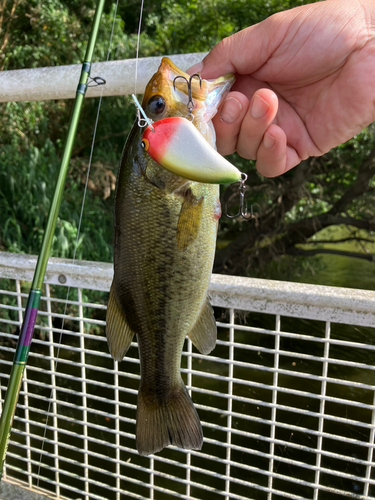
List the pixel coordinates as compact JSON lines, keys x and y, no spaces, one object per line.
{"x":43,"y":34}
{"x":25,"y":178}
{"x":55,"y":32}
{"x":197,"y":25}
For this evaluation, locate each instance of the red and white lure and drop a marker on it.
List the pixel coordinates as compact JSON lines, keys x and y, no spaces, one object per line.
{"x":179,"y":147}
{"x":176,"y":145}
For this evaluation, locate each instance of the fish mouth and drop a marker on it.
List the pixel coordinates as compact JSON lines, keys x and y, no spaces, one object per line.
{"x":206,"y":95}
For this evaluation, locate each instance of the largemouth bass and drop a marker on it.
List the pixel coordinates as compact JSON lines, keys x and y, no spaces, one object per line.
{"x":164,"y":243}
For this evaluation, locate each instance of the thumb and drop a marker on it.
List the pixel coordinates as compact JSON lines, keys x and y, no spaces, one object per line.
{"x":242,"y":53}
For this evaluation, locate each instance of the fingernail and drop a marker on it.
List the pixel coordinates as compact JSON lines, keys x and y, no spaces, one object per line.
{"x":196,"y":68}
{"x":268,"y":141}
{"x":230,"y":110}
{"x":259,"y":107}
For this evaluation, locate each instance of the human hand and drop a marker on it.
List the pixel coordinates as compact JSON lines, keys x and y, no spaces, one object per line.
{"x":305,"y":83}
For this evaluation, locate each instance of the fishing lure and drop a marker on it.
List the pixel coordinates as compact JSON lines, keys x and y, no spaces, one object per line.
{"x":176,"y":145}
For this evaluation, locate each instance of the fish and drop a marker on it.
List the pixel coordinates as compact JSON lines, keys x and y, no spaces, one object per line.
{"x":165,"y":229}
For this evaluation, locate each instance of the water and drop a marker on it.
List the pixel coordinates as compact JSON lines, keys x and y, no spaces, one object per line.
{"x":338,"y":270}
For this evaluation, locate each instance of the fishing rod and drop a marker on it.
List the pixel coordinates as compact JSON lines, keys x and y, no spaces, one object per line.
{"x":32,"y":307}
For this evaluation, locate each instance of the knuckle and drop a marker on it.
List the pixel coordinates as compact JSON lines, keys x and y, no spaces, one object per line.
{"x":246,"y":152}
{"x":226,"y":149}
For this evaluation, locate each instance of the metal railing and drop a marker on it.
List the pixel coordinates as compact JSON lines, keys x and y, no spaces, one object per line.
{"x":286,"y":399}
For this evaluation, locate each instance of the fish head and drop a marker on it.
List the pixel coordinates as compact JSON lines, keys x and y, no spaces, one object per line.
{"x":186,"y":147}
{"x":166,"y":96}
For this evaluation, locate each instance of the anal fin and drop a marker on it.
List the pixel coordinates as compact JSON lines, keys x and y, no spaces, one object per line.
{"x":118,"y":332}
{"x":204,"y":332}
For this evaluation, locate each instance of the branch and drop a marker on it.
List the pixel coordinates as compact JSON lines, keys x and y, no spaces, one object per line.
{"x":273,"y":218}
{"x":344,"y":240}
{"x":359,"y":186}
{"x":290,"y":194}
{"x":2,"y":11}
{"x":301,"y":231}
{"x":9,"y":22}
{"x":310,"y":253}
{"x":269,"y":238}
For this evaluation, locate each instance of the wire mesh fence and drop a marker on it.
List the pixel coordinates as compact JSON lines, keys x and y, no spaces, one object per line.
{"x":286,"y":399}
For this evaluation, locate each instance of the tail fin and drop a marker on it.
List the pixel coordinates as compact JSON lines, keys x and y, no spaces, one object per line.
{"x":173,"y":421}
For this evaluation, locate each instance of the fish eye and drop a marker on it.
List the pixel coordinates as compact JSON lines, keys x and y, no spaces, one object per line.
{"x":156,"y":105}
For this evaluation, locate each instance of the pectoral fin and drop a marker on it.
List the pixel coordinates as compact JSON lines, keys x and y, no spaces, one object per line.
{"x":119,"y":333}
{"x":189,"y":220}
{"x":204,"y":333}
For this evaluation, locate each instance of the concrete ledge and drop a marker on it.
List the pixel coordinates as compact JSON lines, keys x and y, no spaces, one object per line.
{"x":298,"y":300}
{"x":12,"y":491}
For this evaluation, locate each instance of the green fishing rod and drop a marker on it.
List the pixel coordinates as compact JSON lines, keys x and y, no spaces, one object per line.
{"x":32,"y":307}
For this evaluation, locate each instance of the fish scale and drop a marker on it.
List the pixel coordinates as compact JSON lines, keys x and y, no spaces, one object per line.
{"x":164,"y":244}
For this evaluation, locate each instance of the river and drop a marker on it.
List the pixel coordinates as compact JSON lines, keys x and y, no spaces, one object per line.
{"x":338,"y":270}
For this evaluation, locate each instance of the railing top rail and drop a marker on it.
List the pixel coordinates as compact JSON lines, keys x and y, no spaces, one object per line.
{"x":60,"y":82}
{"x":325,"y":303}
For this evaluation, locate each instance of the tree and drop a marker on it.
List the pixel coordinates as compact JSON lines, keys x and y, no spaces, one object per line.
{"x":288,"y":211}
{"x":335,"y":189}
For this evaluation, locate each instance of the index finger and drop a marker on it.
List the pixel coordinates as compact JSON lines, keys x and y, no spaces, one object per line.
{"x":244,"y":52}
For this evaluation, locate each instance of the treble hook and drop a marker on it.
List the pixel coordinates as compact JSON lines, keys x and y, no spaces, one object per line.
{"x":190,"y":104}
{"x":242,"y":211}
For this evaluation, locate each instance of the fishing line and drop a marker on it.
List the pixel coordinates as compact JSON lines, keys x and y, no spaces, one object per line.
{"x":137,"y":51}
{"x":76,"y":241}
{"x":59,"y":343}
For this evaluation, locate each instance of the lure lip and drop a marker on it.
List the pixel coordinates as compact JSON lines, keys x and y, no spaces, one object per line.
{"x":180,"y":148}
